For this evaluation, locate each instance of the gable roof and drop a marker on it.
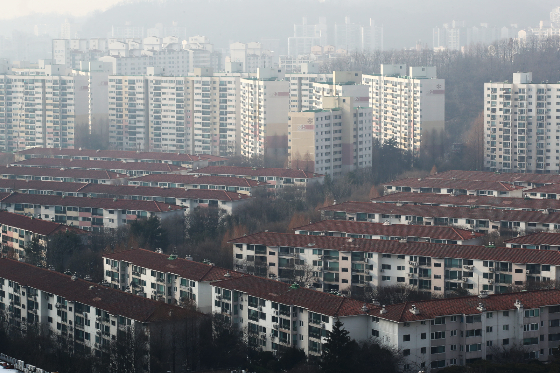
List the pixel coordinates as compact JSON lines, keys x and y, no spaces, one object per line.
{"x":506,"y":177}
{"x":488,"y":202}
{"x":198,"y":179}
{"x":398,"y":230}
{"x":182,"y":267}
{"x":61,"y":173}
{"x":276,"y":291}
{"x":540,"y":238}
{"x":38,"y":226}
{"x":255,"y":171}
{"x":454,"y":184}
{"x":434,"y":250}
{"x":431,"y":309}
{"x":114,"y":301}
{"x":99,"y":165}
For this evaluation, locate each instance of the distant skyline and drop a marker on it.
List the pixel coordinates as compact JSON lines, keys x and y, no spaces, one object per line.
{"x":20,"y":8}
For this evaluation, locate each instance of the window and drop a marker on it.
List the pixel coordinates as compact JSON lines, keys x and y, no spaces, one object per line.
{"x":438,"y":335}
{"x":406,"y":352}
{"x":532,"y":313}
{"x":505,"y":341}
{"x":488,"y":329}
{"x":505,"y":327}
{"x":474,"y":347}
{"x":406,"y":337}
{"x":437,"y":349}
{"x":375,"y":333}
{"x":506,"y":313}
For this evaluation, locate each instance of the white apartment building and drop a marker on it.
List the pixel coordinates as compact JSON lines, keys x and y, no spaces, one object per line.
{"x":149,"y":274}
{"x":252,"y":56}
{"x":264,"y":104}
{"x":406,"y":108}
{"x":47,"y":107}
{"x":333,"y":140}
{"x":521,"y":126}
{"x":88,"y":315}
{"x":349,"y":264}
{"x":302,"y":95}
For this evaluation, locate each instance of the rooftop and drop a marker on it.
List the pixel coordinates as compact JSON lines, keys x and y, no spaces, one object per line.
{"x":119,"y":154}
{"x":276,"y":291}
{"x":62,"y":173}
{"x":196,"y":179}
{"x":113,"y":301}
{"x":254,"y":171}
{"x":550,"y":188}
{"x":498,"y":177}
{"x":445,"y":212}
{"x":104,"y":203}
{"x":454,"y":184}
{"x":398,"y":230}
{"x":99,"y":165}
{"x":541,"y":238}
{"x":38,"y":226}
{"x":434,"y":250}
{"x":507,"y":203}
{"x":182,"y":267}
{"x":431,"y":309}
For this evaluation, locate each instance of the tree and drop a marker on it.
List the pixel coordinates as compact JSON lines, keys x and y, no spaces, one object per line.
{"x":149,"y":233}
{"x":336,"y":356}
{"x":35,"y":252}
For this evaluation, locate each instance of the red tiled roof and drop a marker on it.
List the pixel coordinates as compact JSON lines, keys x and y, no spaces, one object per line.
{"x":114,"y":301}
{"x":120,"y":154}
{"x":182,"y":267}
{"x":275,"y":291}
{"x":202,"y":179}
{"x":466,"y":201}
{"x":57,"y":186}
{"x":250,"y":171}
{"x":397,"y":230}
{"x":434,"y":250}
{"x":497,"y":177}
{"x":550,"y":188}
{"x":104,"y":203}
{"x":431,"y":309}
{"x":131,"y":190}
{"x":70,"y":173}
{"x":445,"y":212}
{"x":100,"y":165}
{"x":38,"y":226}
{"x":454,"y":184}
{"x":541,"y":238}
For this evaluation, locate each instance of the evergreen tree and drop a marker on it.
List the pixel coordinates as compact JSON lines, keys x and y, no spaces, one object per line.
{"x":35,"y":252}
{"x":337,"y":351}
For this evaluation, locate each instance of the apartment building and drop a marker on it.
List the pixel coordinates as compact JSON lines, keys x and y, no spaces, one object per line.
{"x":519,"y":124}
{"x":479,"y":220}
{"x":252,"y":56}
{"x":349,"y":264}
{"x":166,"y":278}
{"x":407,"y":108}
{"x":536,"y":241}
{"x":186,"y":198}
{"x":18,"y":231}
{"x":230,"y":184}
{"x":302,"y":86}
{"x":454,"y":187}
{"x":66,"y":175}
{"x":527,"y":180}
{"x":275,"y":314}
{"x":91,"y":214}
{"x":182,"y":160}
{"x":88,"y":316}
{"x":264,"y":103}
{"x":126,"y":168}
{"x":334,"y":140}
{"x":307,"y":36}
{"x":388,"y":231}
{"x":548,"y":192}
{"x":478,"y":202}
{"x":277,"y":178}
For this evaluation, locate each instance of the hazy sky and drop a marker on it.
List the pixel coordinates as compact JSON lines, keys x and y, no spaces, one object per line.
{"x":18,"y":8}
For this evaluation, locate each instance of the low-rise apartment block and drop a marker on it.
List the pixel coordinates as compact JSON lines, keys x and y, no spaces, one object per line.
{"x":388,"y":231}
{"x":164,"y":277}
{"x":65,"y":175}
{"x":230,"y":184}
{"x":18,"y":231}
{"x":348,"y":264}
{"x":127,"y":168}
{"x":88,"y":316}
{"x":538,"y":241}
{"x":455,"y":187}
{"x":473,"y":202}
{"x":527,"y":180}
{"x":479,"y":220}
{"x":276,"y":177}
{"x":182,"y":160}
{"x":91,"y":214}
